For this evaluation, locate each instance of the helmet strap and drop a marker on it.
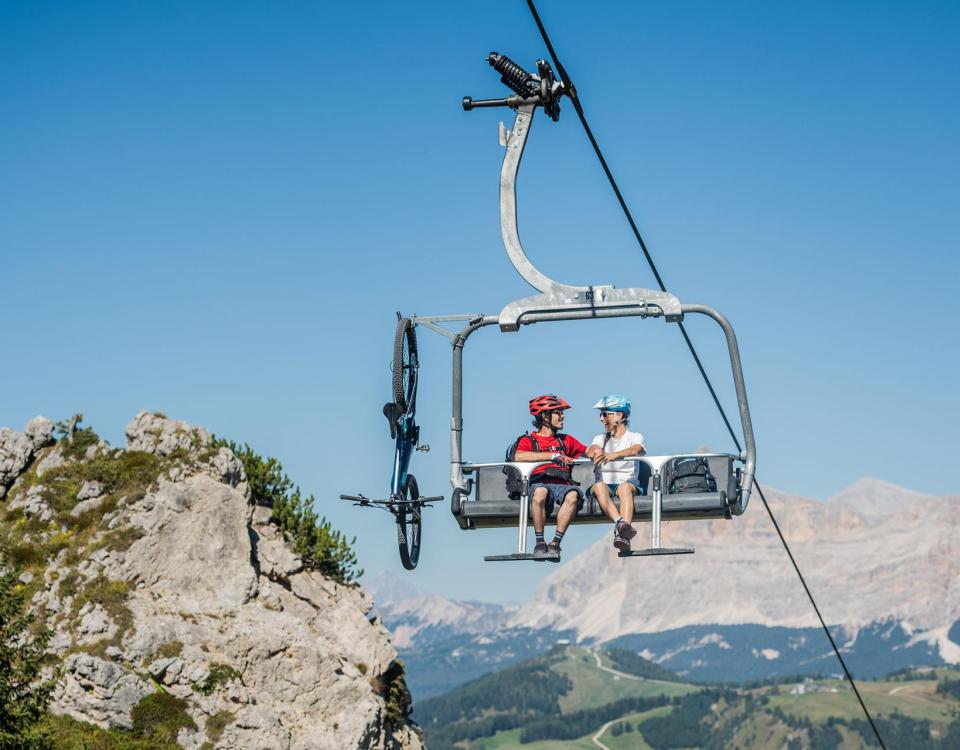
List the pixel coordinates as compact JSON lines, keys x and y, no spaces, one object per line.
{"x":546,"y":420}
{"x":614,"y":429}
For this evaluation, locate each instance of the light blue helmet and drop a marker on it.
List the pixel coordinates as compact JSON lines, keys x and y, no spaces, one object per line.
{"x":614,"y":402}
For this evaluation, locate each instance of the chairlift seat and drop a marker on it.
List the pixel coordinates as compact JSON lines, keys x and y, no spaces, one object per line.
{"x":488,"y":504}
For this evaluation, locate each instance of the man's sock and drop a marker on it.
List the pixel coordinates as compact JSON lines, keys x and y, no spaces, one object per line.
{"x":558,"y":537}
{"x":539,"y":536}
{"x":617,"y":523}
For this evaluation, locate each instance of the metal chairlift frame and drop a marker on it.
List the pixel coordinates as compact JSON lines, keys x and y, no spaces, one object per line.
{"x":560,"y":302}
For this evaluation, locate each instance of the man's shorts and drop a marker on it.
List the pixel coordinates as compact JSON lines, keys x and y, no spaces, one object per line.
{"x":632,"y":481}
{"x":556,"y":492}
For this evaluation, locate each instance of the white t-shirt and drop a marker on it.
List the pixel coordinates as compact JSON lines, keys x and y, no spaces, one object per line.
{"x":616,"y":472}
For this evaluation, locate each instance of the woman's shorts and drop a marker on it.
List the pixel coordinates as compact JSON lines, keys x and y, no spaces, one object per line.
{"x":637,"y":487}
{"x":556,"y":492}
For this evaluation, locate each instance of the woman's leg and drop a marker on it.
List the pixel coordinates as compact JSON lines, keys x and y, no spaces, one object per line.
{"x":602,"y":493}
{"x":625,"y":493}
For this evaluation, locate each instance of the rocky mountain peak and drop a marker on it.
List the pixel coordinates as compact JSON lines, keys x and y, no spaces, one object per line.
{"x":875,"y":499}
{"x":164,"y":583}
{"x":413,"y":611}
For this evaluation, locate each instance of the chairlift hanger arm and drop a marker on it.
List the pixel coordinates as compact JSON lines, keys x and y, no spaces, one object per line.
{"x":532,"y":92}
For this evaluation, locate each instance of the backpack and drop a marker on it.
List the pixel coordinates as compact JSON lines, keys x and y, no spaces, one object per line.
{"x":515,"y":478}
{"x":691,"y":474}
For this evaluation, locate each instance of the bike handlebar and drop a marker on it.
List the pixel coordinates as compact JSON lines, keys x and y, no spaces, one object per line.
{"x":366,"y":500}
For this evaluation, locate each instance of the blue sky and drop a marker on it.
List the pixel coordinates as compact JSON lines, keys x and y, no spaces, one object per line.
{"x":214,"y":210}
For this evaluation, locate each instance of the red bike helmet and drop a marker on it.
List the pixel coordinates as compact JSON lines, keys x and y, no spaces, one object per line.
{"x":547,"y":402}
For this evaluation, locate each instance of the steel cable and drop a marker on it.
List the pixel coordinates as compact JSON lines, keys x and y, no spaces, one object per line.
{"x":578,"y":107}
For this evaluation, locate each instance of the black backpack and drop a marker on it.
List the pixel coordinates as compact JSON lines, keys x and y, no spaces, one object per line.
{"x":515,"y":479}
{"x":691,"y":474}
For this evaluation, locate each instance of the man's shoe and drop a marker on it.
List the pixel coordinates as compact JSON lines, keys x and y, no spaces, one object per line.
{"x":553,"y":552}
{"x":540,"y":551}
{"x":626,"y":530}
{"x":620,"y":542}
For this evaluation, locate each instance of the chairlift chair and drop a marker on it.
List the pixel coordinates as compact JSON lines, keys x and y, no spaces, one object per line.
{"x":481,"y":498}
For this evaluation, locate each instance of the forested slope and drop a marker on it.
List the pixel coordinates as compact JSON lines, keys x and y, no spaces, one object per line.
{"x":573,"y":696}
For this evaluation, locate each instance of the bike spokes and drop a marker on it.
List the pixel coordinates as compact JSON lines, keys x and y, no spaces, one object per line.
{"x":408,"y":537}
{"x":405,"y":365}
{"x":408,"y":524}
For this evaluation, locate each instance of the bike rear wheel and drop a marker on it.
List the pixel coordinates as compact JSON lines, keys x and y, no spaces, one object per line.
{"x":408,"y":525}
{"x":405,"y":363}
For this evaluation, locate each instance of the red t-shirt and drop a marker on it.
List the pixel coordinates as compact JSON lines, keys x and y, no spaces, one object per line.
{"x":569,"y":447}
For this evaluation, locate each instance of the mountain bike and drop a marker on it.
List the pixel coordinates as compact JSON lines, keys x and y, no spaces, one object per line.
{"x":404,"y":503}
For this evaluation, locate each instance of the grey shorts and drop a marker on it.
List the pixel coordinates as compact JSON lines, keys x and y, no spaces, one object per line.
{"x":556,"y":492}
{"x":633,"y":482}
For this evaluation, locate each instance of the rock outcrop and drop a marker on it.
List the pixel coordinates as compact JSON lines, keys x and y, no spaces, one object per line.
{"x":17,"y":449}
{"x":160,"y":577}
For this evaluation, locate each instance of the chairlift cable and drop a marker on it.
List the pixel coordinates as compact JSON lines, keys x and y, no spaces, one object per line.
{"x":571,"y":91}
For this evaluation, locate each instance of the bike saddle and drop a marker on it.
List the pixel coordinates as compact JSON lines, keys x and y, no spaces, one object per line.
{"x":393,"y":411}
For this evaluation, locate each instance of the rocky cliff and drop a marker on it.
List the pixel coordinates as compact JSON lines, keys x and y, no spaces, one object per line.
{"x":168,"y":589}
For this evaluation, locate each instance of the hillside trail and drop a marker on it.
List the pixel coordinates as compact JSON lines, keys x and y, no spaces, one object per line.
{"x":596,"y":655}
{"x":599,"y":734}
{"x":624,"y":675}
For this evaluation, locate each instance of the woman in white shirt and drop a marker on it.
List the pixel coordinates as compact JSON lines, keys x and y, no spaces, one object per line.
{"x":617,"y":477}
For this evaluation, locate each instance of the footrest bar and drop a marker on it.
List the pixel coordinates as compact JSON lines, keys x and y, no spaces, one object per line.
{"x":523,"y":556}
{"x":657,"y":551}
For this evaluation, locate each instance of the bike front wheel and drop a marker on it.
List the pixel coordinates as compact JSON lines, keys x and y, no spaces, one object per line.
{"x":405,"y":363}
{"x":409,"y":525}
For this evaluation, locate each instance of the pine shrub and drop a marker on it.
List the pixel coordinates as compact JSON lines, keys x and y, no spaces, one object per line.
{"x":321,"y":547}
{"x":24,"y":695}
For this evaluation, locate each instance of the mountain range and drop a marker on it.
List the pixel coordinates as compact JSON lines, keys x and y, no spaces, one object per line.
{"x":881,"y":561}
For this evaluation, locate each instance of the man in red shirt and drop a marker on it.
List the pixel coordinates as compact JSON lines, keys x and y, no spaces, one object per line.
{"x":552,"y":484}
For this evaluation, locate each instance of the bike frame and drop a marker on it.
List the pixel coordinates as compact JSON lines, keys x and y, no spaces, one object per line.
{"x":408,"y":435}
{"x":406,"y":445}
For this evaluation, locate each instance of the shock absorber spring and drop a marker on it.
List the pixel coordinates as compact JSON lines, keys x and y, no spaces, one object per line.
{"x":519,"y":80}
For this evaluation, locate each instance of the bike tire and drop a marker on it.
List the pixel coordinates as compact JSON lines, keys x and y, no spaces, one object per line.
{"x":404,"y":362}
{"x":409,"y":526}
